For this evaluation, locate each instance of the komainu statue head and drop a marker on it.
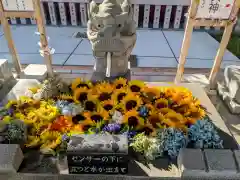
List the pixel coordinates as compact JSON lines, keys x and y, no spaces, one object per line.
{"x":111,"y":27}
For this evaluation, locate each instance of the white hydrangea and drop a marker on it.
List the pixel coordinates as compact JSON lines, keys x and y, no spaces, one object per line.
{"x":29,"y":93}
{"x":117,"y":117}
{"x":37,"y":96}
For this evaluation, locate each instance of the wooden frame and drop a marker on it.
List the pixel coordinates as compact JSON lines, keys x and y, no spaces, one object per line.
{"x":37,"y":14}
{"x":191,"y":23}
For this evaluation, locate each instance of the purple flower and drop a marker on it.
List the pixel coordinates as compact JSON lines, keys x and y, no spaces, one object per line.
{"x":10,"y":111}
{"x":65,"y":137}
{"x":130,"y":134}
{"x":112,"y":128}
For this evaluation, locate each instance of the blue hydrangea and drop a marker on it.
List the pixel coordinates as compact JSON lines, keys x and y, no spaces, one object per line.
{"x":61,"y":104}
{"x":143,"y":111}
{"x":172,"y":140}
{"x":130,"y":135}
{"x":203,"y":135}
{"x":112,"y":128}
{"x":69,"y":109}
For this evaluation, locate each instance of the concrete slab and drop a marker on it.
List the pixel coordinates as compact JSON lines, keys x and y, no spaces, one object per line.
{"x":151,"y":43}
{"x":61,"y":39}
{"x":156,"y":62}
{"x":77,"y":59}
{"x":203,"y":46}
{"x":84,"y":48}
{"x":205,"y":63}
{"x":1,"y":29}
{"x":58,"y":59}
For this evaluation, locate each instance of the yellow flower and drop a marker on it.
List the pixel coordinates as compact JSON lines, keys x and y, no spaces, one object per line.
{"x":66,"y":97}
{"x":97,"y":116}
{"x":120,"y":83}
{"x":108,"y":105}
{"x":34,"y":89}
{"x":151,"y":93}
{"x":155,"y":119}
{"x":149,"y":130}
{"x":133,"y":120}
{"x":33,"y":141}
{"x":50,"y":140}
{"x":161,"y":103}
{"x":104,"y":91}
{"x":166,"y":110}
{"x":47,"y":113}
{"x":78,"y":83}
{"x":30,"y":118}
{"x":80,"y":95}
{"x":10,"y":104}
{"x":136,"y":85}
{"x":174,"y":119}
{"x":7,"y":119}
{"x":19,"y":116}
{"x":119,"y":94}
{"x":91,"y":104}
{"x":131,"y":101}
{"x":194,"y":114}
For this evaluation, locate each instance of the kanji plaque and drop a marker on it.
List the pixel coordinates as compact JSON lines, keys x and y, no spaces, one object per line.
{"x":17,"y":5}
{"x":214,"y":9}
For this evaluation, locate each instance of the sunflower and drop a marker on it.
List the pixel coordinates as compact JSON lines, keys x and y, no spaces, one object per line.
{"x":155,"y":119}
{"x":161,"y":103}
{"x":91,"y":104}
{"x":30,"y":118}
{"x":78,"y":83}
{"x":149,"y":130}
{"x":104,"y":91}
{"x":47,"y":113}
{"x":174,"y":119}
{"x":136,"y":86}
{"x":194,"y":114}
{"x":98,"y":116}
{"x":120,"y":83}
{"x":108,"y":105}
{"x":133,"y":120}
{"x":131,"y":101}
{"x":166,"y":110}
{"x":80,"y":95}
{"x":119,"y":94}
{"x":66,"y":97}
{"x":87,"y":124}
{"x":11,"y":103}
{"x":33,"y":141}
{"x":151,"y":93}
{"x":50,"y":140}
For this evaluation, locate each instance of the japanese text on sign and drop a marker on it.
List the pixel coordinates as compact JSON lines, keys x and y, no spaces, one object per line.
{"x":18,"y":5}
{"x":97,"y":170}
{"x":215,"y":9}
{"x":99,"y":159}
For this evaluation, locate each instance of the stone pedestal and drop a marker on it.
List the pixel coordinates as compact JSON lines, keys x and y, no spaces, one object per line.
{"x":11,"y":158}
{"x":34,"y":71}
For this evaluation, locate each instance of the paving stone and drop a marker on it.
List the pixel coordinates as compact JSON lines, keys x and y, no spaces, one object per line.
{"x":156,"y":62}
{"x":11,"y":158}
{"x":191,"y":163}
{"x":237,"y":157}
{"x":221,"y":163}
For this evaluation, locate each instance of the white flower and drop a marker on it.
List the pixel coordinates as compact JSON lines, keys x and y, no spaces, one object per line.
{"x":29,"y":93}
{"x":37,"y":96}
{"x":117,"y":117}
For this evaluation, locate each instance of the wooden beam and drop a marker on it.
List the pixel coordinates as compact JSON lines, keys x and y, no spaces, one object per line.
{"x":20,"y":14}
{"x":8,"y":36}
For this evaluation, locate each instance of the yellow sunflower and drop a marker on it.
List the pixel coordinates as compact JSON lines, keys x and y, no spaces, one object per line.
{"x":149,"y":130}
{"x":133,"y":120}
{"x":66,"y":97}
{"x":50,"y":140}
{"x":11,"y":103}
{"x":47,"y":113}
{"x":80,"y":95}
{"x":104,"y":91}
{"x":136,"y":86}
{"x":174,"y":119}
{"x":194,"y":114}
{"x":30,"y":118}
{"x":79,"y":83}
{"x":131,"y":101}
{"x":108,"y":105}
{"x":161,"y":103}
{"x":33,"y":141}
{"x":151,"y":93}
{"x":155,"y":119}
{"x":119,"y":94}
{"x":91,"y":104}
{"x":166,"y":110}
{"x":120,"y":83}
{"x":98,"y":116}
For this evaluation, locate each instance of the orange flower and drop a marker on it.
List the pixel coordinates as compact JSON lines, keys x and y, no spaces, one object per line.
{"x":62,"y":124}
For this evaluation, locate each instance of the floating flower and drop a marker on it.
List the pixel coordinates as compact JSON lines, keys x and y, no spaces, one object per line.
{"x":78,"y":83}
{"x":112,"y":128}
{"x":50,"y":140}
{"x":130,"y":102}
{"x":80,"y":95}
{"x":161,"y":103}
{"x":120,"y":83}
{"x":136,"y":86}
{"x":133,"y":119}
{"x":104,"y":91}
{"x":119,"y":94}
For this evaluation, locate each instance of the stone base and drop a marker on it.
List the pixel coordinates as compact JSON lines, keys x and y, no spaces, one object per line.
{"x":34,"y":71}
{"x":233,"y":106}
{"x":11,"y":158}
{"x":98,"y":76}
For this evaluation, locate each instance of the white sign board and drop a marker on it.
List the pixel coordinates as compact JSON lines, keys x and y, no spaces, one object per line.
{"x":215,"y":9}
{"x":18,"y":5}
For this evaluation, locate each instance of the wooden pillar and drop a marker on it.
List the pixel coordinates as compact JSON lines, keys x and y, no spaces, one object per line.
{"x":43,"y":38}
{"x":186,"y":41}
{"x":8,"y":36}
